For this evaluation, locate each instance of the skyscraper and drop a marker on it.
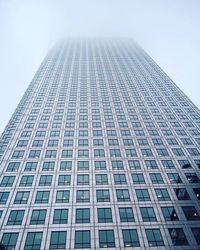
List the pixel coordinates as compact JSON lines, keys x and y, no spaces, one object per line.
{"x":103,"y":151}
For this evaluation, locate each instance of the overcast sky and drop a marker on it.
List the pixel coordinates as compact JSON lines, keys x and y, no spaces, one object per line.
{"x":169,"y":30}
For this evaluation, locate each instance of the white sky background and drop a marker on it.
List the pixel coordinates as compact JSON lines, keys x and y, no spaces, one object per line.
{"x":169,"y":31}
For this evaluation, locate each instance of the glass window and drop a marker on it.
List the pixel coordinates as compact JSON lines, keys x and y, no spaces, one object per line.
{"x":69,"y":133}
{"x":106,"y":238}
{"x":151,"y":164}
{"x":130,"y":238}
{"x":146,"y":152}
{"x":197,"y":192}
{"x":156,"y":178}
{"x":83,"y":165}
{"x":122,"y":195}
{"x":42,"y":197}
{"x":196,"y":233}
{"x":60,"y":216}
{"x":9,"y":240}
{"x":142,"y":142}
{"x":186,"y":141}
{"x":197,"y":163}
{"x":119,"y":179}
{"x":104,"y":215}
{"x":52,"y":143}
{"x":7,"y":181}
{"x":118,"y":165}
{"x":34,"y":154}
{"x":13,"y":167}
{"x":48,"y":166}
{"x":157,"y":141}
{"x":148,"y":214}
{"x":101,"y":179}
{"x":98,"y":142}
{"x":128,"y":142}
{"x":172,"y":141}
{"x":154,"y":237}
{"x":130,"y":153}
{"x":62,"y":196}
{"x":99,"y":153}
{"x":162,"y":194}
{"x":37,"y":143}
{"x":113,"y":142}
{"x":82,"y":196}
{"x":26,"y":180}
{"x":174,"y":178}
{"x":67,"y":153}
{"x":97,"y":133}
{"x":64,"y":180}
{"x":162,"y":151}
{"x":191,"y":213}
{"x":83,"y":153}
{"x":103,"y":195}
{"x":178,"y":236}
{"x":192,"y":177}
{"x":18,"y":154}
{"x":82,"y":215}
{"x":169,"y":213}
{"x":193,"y":151}
{"x":138,"y":178}
{"x":142,"y":195}
{"x":33,"y":241}
{"x":82,"y":239}
{"x":134,"y":164}
{"x":178,"y":152}
{"x":51,"y":154}
{"x":184,"y":164}
{"x":15,"y":217}
{"x":100,"y":165}
{"x":45,"y":180}
{"x":38,"y":216}
{"x":83,"y":179}
{"x":30,"y":166}
{"x":126,"y":214}
{"x":182,"y":194}
{"x":58,"y":240}
{"x":65,"y":165}
{"x":68,"y":143}
{"x":21,"y":197}
{"x":168,"y":164}
{"x":115,"y":153}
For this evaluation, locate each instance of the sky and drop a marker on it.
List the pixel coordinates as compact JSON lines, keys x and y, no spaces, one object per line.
{"x":169,"y":31}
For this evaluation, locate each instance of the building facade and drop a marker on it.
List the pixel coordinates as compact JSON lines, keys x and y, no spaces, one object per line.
{"x":103,"y":151}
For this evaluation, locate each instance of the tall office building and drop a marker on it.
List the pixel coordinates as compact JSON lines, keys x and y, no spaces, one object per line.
{"x":103,"y":151}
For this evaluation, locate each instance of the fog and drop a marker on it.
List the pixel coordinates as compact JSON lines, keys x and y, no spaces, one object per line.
{"x":168,"y":30}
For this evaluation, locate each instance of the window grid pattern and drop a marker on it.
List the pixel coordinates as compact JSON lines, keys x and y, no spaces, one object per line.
{"x":101,"y":137}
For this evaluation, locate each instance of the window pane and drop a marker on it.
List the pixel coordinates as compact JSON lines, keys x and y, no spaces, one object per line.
{"x":15,"y":217}
{"x":126,"y":214}
{"x":154,"y":237}
{"x":169,"y":213}
{"x":9,"y":240}
{"x":60,"y":216}
{"x":106,"y":238}
{"x":58,"y":240}
{"x":104,"y":215}
{"x":148,"y":214}
{"x":178,"y":236}
{"x":33,"y":241}
{"x":196,"y":233}
{"x":38,"y":217}
{"x":130,"y":238}
{"x":82,"y":239}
